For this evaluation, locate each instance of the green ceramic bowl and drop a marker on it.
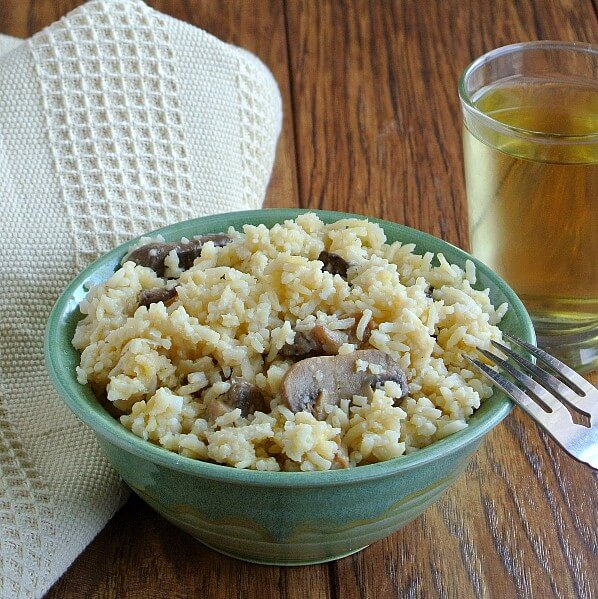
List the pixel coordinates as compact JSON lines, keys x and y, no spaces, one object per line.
{"x":270,"y":517}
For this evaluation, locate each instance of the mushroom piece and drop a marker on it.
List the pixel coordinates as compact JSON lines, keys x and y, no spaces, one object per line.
{"x":246,"y":396}
{"x":216,"y":408}
{"x":333,"y":263}
{"x":157,"y":294}
{"x":328,"y":340}
{"x":322,"y":341}
{"x":319,"y":341}
{"x":243,"y":395}
{"x":328,"y":379}
{"x":303,"y":346}
{"x":153,"y":255}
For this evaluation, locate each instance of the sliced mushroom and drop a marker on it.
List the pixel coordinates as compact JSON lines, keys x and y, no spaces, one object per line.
{"x":333,"y":263}
{"x":153,"y":255}
{"x":158,"y":294}
{"x":338,"y":376}
{"x":246,"y":396}
{"x":303,"y":346}
{"x":328,"y":340}
{"x":319,"y":341}
{"x":331,"y":340}
{"x":216,"y":408}
{"x":323,"y":341}
{"x":243,"y":395}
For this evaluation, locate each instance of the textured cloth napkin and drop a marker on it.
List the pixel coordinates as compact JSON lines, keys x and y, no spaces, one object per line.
{"x":114,"y":120}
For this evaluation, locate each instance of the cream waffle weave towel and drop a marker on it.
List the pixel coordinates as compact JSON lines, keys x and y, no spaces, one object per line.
{"x":113,"y":121}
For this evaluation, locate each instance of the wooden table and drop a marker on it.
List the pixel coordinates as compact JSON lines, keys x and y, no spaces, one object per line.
{"x":372,"y":125}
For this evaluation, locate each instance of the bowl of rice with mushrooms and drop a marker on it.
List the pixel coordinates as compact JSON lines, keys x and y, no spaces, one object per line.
{"x":286,"y":385}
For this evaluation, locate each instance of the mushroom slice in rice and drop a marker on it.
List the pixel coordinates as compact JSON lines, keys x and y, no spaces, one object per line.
{"x":303,"y":345}
{"x":153,"y":255}
{"x":319,"y":341}
{"x":158,"y":294}
{"x":324,"y":341}
{"x":329,"y":340}
{"x":333,"y":263}
{"x":243,"y":395}
{"x":325,"y":380}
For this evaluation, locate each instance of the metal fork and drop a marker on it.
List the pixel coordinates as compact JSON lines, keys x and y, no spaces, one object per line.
{"x":546,"y":394}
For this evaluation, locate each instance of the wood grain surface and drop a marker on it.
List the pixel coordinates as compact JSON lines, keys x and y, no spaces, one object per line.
{"x":372,"y":125}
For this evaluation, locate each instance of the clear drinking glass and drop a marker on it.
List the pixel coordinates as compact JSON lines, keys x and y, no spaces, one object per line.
{"x":530,"y":139}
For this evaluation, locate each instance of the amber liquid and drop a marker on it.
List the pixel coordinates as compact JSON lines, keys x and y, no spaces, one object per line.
{"x":533,"y":207}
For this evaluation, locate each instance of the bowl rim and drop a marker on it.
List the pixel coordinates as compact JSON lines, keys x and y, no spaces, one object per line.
{"x":110,"y":430}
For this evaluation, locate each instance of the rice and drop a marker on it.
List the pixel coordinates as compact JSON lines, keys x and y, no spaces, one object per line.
{"x":165,"y":367}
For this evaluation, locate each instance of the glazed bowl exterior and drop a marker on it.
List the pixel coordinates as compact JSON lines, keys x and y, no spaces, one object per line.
{"x":283,"y":518}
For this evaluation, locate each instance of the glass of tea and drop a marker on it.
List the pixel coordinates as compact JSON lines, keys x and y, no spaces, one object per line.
{"x":530,"y":138}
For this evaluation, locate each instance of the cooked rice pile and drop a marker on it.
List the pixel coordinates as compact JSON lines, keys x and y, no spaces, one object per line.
{"x":237,"y":307}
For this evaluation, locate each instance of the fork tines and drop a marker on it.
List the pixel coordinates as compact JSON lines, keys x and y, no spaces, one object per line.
{"x":542,"y":395}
